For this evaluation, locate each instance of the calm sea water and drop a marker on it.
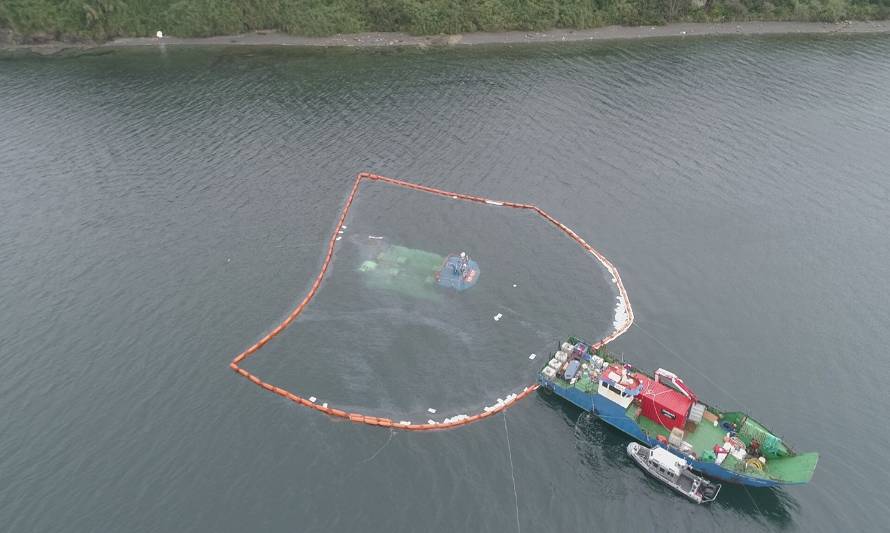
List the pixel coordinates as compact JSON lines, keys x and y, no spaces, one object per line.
{"x":161,"y":209}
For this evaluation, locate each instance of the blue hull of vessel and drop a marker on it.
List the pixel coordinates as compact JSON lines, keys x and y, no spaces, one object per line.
{"x":616,"y":416}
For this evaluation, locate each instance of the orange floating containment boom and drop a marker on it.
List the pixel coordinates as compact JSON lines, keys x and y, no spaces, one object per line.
{"x":623,"y":315}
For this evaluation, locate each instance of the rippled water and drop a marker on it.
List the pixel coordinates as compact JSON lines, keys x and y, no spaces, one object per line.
{"x":160,"y":209}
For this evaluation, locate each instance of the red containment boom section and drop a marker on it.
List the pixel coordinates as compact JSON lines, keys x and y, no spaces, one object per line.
{"x":622,"y":324}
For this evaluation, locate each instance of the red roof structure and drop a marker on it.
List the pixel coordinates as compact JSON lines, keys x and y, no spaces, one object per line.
{"x":662,"y":404}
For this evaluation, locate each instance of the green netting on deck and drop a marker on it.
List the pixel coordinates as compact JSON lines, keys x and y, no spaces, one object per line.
{"x":770,"y":445}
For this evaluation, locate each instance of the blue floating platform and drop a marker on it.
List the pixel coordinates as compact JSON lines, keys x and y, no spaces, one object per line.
{"x":452,"y":276}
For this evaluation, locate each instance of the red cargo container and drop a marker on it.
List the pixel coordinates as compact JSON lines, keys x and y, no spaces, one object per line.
{"x":663,"y":404}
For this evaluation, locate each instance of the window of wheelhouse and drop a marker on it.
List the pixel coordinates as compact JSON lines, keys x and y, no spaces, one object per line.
{"x":613,"y":388}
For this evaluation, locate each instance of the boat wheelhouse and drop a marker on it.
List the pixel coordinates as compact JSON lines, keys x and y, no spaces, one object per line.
{"x":458,"y":272}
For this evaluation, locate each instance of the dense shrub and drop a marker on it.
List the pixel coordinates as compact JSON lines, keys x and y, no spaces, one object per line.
{"x":104,"y":19}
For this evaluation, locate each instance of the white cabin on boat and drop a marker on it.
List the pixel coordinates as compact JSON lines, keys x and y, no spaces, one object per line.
{"x":666,"y":462}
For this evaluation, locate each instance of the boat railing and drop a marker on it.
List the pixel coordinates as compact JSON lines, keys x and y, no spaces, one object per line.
{"x":713,"y":496}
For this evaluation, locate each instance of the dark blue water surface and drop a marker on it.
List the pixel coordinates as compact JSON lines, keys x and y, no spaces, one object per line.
{"x":161,"y":209}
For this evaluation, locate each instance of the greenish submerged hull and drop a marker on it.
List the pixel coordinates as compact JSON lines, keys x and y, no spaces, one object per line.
{"x":408,"y":271}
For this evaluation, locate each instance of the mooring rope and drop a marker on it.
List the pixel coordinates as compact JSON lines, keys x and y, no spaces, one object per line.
{"x":512,"y":473}
{"x":385,"y":444}
{"x":683,"y":359}
{"x":759,"y":512}
{"x":455,"y":421}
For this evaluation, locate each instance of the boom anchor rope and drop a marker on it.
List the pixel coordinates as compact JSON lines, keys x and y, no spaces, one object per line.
{"x":359,"y":418}
{"x":512,"y":473}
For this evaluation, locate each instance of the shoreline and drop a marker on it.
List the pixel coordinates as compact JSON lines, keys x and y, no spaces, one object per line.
{"x":383,"y":39}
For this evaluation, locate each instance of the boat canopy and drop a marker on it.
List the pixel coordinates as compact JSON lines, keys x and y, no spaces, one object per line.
{"x":667,"y":460}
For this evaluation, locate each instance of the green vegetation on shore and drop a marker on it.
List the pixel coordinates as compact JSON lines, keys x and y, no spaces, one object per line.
{"x":104,"y":19}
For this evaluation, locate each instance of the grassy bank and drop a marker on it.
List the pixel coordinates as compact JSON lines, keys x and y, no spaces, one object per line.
{"x":105,"y":19}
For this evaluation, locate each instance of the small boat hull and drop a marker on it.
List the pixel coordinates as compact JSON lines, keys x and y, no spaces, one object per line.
{"x":693,"y":487}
